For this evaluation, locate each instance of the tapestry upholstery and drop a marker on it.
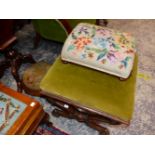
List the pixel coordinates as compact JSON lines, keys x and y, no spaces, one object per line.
{"x":100,"y":48}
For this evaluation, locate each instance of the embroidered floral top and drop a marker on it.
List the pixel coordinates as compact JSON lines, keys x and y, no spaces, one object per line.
{"x":100,"y":48}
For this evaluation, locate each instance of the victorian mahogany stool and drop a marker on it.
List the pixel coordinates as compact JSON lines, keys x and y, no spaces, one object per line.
{"x":88,"y":95}
{"x":83,"y":91}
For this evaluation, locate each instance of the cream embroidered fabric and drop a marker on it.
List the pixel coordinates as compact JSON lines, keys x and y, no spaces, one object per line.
{"x":100,"y":48}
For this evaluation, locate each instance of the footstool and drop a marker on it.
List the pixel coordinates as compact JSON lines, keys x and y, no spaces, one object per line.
{"x":89,"y":95}
{"x":19,"y":114}
{"x":100,"y":48}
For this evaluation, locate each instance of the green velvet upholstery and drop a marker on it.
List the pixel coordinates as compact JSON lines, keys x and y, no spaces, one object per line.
{"x":92,"y":89}
{"x":52,"y":29}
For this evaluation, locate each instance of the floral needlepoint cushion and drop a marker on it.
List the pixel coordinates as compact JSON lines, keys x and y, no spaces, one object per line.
{"x":100,"y":48}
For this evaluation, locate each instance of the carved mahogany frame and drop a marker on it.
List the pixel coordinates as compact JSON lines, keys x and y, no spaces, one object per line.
{"x":90,"y":118}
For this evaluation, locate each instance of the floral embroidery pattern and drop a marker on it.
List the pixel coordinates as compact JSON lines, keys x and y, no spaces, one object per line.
{"x":103,"y":45}
{"x":81,"y":42}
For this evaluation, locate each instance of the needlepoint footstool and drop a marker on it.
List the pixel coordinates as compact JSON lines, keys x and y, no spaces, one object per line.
{"x":19,"y":114}
{"x":89,"y":95}
{"x":100,"y":48}
{"x":86,"y":88}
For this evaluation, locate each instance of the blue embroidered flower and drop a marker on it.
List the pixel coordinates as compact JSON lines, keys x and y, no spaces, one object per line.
{"x":101,"y":42}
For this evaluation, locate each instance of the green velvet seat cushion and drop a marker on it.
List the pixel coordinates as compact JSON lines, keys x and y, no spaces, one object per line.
{"x":92,"y":89}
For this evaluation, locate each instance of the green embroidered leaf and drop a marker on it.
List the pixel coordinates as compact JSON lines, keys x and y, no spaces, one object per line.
{"x":71,"y":47}
{"x":74,"y":36}
{"x":124,"y":63}
{"x":105,"y":50}
{"x":115,"y":46}
{"x":101,"y":56}
{"x":127,"y":58}
{"x":93,"y":32}
{"x":97,"y":50}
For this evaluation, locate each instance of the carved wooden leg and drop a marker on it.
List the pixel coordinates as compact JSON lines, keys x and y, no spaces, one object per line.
{"x":14,"y":70}
{"x":46,"y":118}
{"x":14,"y":60}
{"x":57,"y":112}
{"x":102,"y":130}
{"x":72,"y":113}
{"x":46,"y":121}
{"x":81,"y":117}
{"x":37,"y":40}
{"x":77,"y":111}
{"x":91,"y":119}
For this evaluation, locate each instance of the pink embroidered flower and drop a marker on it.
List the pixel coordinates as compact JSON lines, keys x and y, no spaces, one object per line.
{"x":81,"y":42}
{"x":111,"y":57}
{"x":103,"y":32}
{"x":73,"y":53}
{"x":119,"y":55}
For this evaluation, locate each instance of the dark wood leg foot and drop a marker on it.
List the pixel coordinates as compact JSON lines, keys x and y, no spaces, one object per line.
{"x":97,"y":21}
{"x":46,"y":120}
{"x":122,"y":79}
{"x":105,"y":21}
{"x":64,"y":62}
{"x":58,"y":113}
{"x":102,"y":130}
